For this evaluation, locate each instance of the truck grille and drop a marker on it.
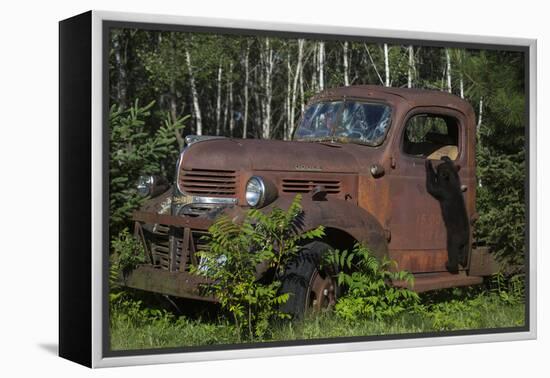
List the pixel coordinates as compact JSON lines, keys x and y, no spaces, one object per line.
{"x":306,"y":185}
{"x":205,"y":182}
{"x":159,"y":241}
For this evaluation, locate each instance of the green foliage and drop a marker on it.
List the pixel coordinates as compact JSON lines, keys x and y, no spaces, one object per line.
{"x":135,"y":326}
{"x":498,"y":80}
{"x":136,"y":148}
{"x":482,"y":310}
{"x":368,"y":293}
{"x":501,"y":205}
{"x":127,"y":253}
{"x":510,"y":289}
{"x":233,"y":254}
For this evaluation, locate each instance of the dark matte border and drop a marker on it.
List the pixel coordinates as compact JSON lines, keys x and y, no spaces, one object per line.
{"x":110,"y":24}
{"x":75,"y":189}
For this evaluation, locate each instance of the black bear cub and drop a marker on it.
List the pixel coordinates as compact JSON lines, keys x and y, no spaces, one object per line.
{"x":444,"y":185}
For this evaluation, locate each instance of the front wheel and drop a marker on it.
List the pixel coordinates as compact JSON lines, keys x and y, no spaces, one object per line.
{"x":310,"y":288}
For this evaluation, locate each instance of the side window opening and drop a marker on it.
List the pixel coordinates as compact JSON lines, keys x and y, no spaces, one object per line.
{"x":431,"y":136}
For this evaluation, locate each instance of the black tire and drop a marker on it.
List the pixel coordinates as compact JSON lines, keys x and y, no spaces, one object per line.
{"x":300,"y":279}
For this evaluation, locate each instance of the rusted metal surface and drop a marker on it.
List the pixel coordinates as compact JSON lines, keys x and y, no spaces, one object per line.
{"x":421,"y":260}
{"x":169,"y":220}
{"x":169,"y":246}
{"x":440,"y":280}
{"x":389,"y":210}
{"x":178,"y":284}
{"x":337,"y":214}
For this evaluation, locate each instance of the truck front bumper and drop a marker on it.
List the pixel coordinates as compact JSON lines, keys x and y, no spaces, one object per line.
{"x":178,"y":284}
{"x":170,"y":244}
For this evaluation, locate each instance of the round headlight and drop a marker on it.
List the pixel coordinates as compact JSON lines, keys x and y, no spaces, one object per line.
{"x":145,"y":185}
{"x":255,"y":191}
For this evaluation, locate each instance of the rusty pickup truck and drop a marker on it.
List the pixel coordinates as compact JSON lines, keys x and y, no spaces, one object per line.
{"x":364,"y":149}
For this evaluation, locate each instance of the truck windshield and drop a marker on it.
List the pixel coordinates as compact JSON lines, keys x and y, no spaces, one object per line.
{"x":347,"y":121}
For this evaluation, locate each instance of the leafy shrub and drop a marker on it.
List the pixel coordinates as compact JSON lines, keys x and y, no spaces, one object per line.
{"x":127,"y":253}
{"x":366,"y":281}
{"x":234,"y":252}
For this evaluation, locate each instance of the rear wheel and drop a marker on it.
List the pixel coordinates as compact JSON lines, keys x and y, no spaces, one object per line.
{"x":310,"y":288}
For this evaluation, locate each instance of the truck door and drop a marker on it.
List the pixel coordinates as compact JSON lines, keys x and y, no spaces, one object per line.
{"x":418,"y":235}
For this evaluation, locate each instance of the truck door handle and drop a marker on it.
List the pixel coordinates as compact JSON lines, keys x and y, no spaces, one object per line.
{"x":463,"y":188}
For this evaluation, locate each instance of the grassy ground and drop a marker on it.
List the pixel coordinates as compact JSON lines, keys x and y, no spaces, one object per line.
{"x":138,"y":326}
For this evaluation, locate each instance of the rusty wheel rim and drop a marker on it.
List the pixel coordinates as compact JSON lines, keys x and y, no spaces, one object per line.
{"x":321,"y":293}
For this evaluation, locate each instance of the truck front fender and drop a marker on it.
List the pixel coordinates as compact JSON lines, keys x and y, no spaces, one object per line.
{"x":341,"y":219}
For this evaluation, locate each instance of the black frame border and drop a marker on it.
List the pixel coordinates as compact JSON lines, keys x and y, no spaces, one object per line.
{"x":75,"y":188}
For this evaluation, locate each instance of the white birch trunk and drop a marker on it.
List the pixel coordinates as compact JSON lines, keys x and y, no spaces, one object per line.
{"x":268,"y":66}
{"x":346,"y":64}
{"x":121,"y":82}
{"x":461,"y":78}
{"x":449,"y":82}
{"x":301,"y":79}
{"x":194,"y":94}
{"x":321,"y":66}
{"x":297,"y":76}
{"x":225,"y":112}
{"x":230,"y":90}
{"x":288,"y":94}
{"x":386,"y":65}
{"x":259,"y":113}
{"x":246,"y":84}
{"x":480,"y":115}
{"x":411,"y":67}
{"x":219,"y":99}
{"x":315,"y":73}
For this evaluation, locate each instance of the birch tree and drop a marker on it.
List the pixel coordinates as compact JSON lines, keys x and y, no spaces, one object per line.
{"x":246,"y":85}
{"x":268,"y":64}
{"x":288,"y":94}
{"x":321,"y":66}
{"x":315,"y":71}
{"x":345,"y":63}
{"x":194,"y":94}
{"x":230,"y":99}
{"x":301,"y":80}
{"x":121,"y":82}
{"x":461,"y":76}
{"x":386,"y":65}
{"x":219,"y":97}
{"x":448,"y":70}
{"x":297,"y":77}
{"x":480,"y":115}
{"x":411,"y":67}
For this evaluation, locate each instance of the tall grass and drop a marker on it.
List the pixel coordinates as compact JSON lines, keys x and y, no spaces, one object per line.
{"x":135,"y":326}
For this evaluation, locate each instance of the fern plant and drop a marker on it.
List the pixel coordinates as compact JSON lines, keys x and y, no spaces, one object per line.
{"x":366,"y":285}
{"x":510,"y":289}
{"x":127,"y":253}
{"x":235,"y":251}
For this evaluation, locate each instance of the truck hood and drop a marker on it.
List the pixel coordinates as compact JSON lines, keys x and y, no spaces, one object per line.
{"x":269,"y":155}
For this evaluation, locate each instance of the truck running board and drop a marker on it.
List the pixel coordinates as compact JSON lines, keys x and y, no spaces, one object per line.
{"x":444,"y":280}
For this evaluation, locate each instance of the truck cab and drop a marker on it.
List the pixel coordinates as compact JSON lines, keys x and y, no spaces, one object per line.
{"x":357,"y":158}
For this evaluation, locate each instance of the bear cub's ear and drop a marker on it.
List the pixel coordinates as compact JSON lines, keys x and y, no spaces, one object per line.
{"x":446,"y":159}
